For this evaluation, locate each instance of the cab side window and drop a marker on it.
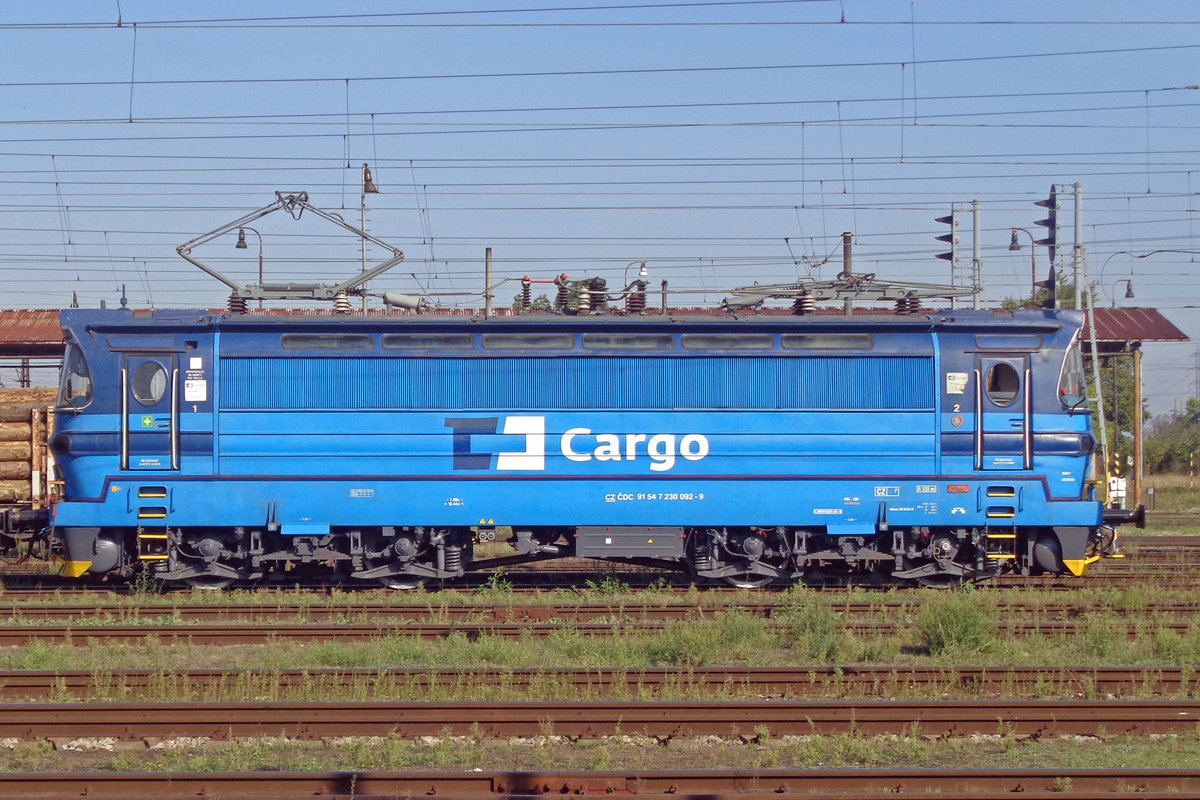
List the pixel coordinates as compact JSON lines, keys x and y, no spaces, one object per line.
{"x":1003,"y":383}
{"x":149,"y":382}
{"x":75,"y":391}
{"x":1072,"y":391}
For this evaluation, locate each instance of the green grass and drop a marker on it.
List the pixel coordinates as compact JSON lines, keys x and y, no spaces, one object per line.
{"x":949,"y":629}
{"x":946,"y":628}
{"x":497,"y":590}
{"x":958,"y":625}
{"x":1175,"y":493}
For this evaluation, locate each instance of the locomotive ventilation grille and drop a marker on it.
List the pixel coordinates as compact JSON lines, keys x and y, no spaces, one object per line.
{"x":884,"y":382}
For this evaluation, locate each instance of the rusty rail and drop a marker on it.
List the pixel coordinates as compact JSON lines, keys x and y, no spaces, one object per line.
{"x":232,"y":634}
{"x":662,"y":719}
{"x":343,"y":610}
{"x":846,"y":784}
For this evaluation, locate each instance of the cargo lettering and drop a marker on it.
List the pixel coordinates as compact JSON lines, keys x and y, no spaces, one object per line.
{"x":578,"y":444}
{"x":661,"y":447}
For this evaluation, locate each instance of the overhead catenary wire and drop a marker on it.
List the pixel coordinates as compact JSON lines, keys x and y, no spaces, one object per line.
{"x":702,"y":156}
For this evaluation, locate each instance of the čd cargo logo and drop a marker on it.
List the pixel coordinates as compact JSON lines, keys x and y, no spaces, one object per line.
{"x":576,"y":444}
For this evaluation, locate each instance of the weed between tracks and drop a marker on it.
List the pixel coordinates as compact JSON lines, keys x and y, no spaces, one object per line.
{"x":944,"y":629}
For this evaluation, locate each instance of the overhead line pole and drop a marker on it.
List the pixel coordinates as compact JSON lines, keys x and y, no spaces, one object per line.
{"x":1078,"y":252}
{"x":976,"y":256}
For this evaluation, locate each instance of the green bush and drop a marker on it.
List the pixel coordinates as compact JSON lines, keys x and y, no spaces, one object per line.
{"x":1103,"y":639}
{"x":731,"y":638}
{"x":815,"y":631}
{"x":1175,"y":648}
{"x":956,"y":623}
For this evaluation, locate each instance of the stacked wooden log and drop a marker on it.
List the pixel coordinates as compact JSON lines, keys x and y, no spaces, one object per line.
{"x":24,"y":429}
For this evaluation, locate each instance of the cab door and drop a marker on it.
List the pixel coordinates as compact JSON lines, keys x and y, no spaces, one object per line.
{"x":1004,"y":418}
{"x":150,"y":411}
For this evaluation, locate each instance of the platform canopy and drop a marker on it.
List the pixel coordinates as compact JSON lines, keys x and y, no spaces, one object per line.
{"x":30,"y":334}
{"x":1119,"y":329}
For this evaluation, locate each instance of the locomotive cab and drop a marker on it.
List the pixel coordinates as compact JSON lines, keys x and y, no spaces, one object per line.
{"x":1017,"y":431}
{"x":133,"y":413}
{"x":87,"y":548}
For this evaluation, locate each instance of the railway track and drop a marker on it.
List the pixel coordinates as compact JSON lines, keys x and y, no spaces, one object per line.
{"x":1179,"y":573}
{"x":778,"y":682}
{"x":760,"y":784}
{"x":1155,"y":518}
{"x":1162,"y":553}
{"x":1171,"y":558}
{"x":382,"y":611}
{"x":663,"y":720}
{"x":220,"y":634}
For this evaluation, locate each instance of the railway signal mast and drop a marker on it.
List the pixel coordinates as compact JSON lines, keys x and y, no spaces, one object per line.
{"x":1050,"y":223}
{"x":959,"y":275}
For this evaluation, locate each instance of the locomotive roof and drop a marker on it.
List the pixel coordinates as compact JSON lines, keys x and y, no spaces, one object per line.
{"x":1026,"y":319}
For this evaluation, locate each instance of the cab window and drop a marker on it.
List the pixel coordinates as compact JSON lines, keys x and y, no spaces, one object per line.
{"x":75,"y":388}
{"x":1072,"y":383}
{"x":1002,"y":383}
{"x":149,"y":382}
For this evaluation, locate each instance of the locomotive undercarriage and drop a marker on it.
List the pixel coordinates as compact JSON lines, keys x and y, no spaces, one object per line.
{"x":408,"y":557}
{"x":754,"y":557}
{"x":399,"y":558}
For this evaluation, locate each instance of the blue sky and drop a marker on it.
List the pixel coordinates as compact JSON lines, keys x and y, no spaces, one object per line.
{"x":720,"y":142}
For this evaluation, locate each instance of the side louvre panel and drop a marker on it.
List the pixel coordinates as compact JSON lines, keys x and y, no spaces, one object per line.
{"x":513,"y":383}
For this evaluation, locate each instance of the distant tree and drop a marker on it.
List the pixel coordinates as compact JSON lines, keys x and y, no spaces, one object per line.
{"x":1064,"y":297}
{"x":1172,"y":439}
{"x":541,"y":301}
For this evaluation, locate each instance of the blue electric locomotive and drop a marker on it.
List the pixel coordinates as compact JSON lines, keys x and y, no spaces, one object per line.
{"x":210,"y":448}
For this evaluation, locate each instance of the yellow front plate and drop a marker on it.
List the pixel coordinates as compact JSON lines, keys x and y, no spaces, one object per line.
{"x":73,"y":569}
{"x":1077,"y":565}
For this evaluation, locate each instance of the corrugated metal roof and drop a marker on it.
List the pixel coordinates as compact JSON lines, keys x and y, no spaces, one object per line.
{"x":32,"y":330}
{"x":1134,"y":325}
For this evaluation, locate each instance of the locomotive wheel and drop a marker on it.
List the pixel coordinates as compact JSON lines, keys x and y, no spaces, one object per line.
{"x":210,"y":583}
{"x":755,"y":580}
{"x":403,"y":583}
{"x":400,"y":582}
{"x":748,"y":580}
{"x":941,"y":581}
{"x":699,"y":561}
